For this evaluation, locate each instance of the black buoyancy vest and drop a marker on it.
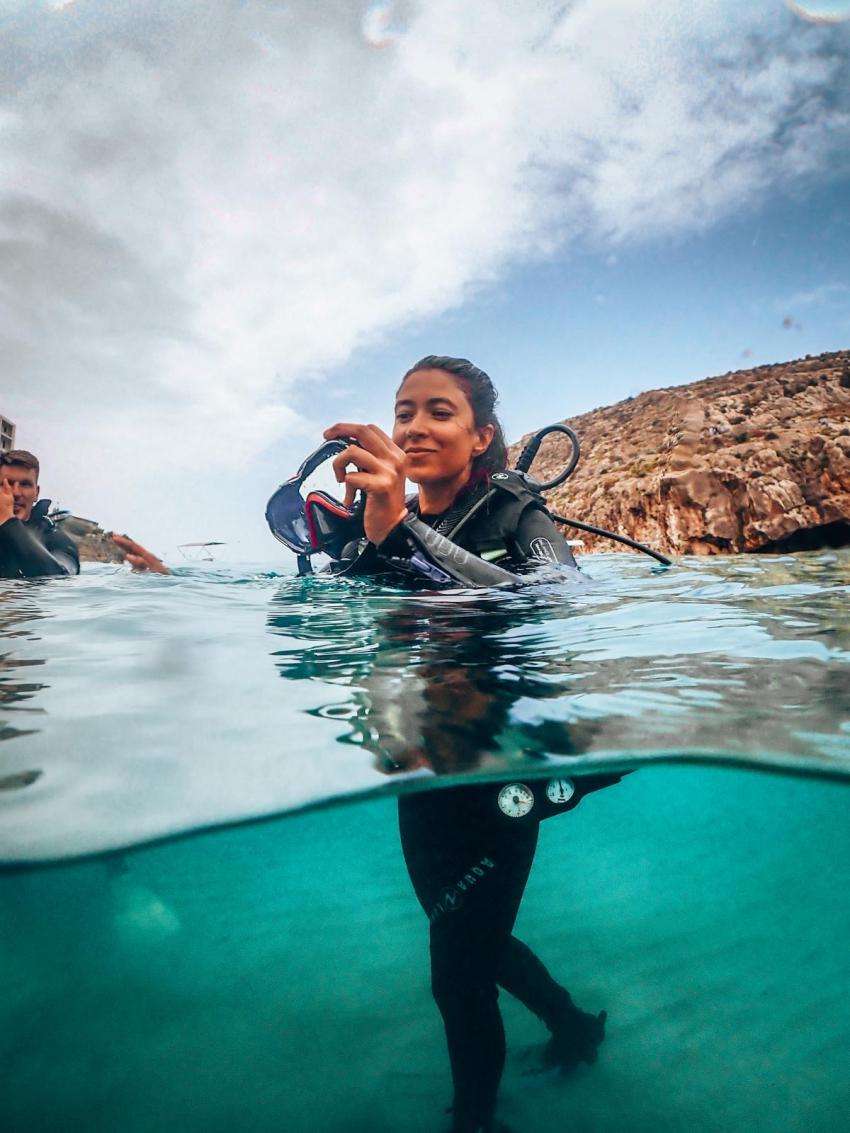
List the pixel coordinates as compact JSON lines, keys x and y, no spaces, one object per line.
{"x":488,"y":527}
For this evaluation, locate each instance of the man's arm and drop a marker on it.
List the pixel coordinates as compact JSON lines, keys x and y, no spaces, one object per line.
{"x":139,"y":557}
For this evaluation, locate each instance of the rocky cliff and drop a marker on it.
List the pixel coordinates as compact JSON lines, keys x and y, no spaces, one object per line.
{"x":756,"y":460}
{"x":94,"y":545}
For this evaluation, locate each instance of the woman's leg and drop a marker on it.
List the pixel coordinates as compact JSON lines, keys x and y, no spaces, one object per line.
{"x":526,"y":977}
{"x":469,"y":865}
{"x":575,"y":1033}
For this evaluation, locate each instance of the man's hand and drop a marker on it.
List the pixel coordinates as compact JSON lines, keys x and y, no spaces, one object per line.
{"x":138,"y":556}
{"x":379,"y":472}
{"x":7,"y":501}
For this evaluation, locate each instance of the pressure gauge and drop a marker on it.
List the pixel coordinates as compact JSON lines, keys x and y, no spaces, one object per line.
{"x":515,"y":800}
{"x":560,"y":791}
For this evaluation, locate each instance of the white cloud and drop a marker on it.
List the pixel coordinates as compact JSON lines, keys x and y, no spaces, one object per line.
{"x":827,"y":293}
{"x":203,"y":203}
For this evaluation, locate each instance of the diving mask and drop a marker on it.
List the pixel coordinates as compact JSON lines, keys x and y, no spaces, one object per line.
{"x":316,"y":522}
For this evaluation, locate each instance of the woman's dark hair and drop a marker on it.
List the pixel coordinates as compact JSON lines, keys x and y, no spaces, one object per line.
{"x":482,"y":398}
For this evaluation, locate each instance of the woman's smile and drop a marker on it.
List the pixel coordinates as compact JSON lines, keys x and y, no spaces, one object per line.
{"x":435,"y":428}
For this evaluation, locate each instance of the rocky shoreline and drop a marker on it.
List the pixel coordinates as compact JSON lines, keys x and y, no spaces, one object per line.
{"x":754,"y":460}
{"x":94,"y":545}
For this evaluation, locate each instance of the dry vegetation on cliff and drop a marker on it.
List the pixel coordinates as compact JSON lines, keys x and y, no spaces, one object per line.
{"x":755,"y":460}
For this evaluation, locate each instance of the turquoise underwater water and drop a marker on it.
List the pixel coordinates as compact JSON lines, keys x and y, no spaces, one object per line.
{"x":205,"y":921}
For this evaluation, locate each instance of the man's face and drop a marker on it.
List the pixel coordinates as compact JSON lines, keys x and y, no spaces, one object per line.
{"x":24,"y":486}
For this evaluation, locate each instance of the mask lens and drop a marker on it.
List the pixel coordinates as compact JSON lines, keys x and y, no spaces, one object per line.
{"x":287,"y":519}
{"x":285,"y":512}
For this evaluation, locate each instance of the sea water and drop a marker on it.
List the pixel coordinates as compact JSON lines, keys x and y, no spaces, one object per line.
{"x":205,"y":921}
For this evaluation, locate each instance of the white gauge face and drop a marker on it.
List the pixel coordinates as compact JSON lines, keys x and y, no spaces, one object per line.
{"x":560,"y":791}
{"x":515,"y":800}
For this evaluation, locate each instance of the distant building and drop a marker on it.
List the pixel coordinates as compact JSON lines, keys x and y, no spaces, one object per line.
{"x":7,"y":434}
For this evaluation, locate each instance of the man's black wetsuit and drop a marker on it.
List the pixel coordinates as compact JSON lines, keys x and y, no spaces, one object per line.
{"x":36,"y":548}
{"x":468,"y":861}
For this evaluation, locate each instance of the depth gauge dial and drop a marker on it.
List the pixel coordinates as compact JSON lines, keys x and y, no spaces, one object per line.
{"x":516,"y":800}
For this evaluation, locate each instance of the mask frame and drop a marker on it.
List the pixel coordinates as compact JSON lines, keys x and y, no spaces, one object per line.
{"x":316,"y":523}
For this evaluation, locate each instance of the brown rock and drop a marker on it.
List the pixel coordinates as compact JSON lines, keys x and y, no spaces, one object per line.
{"x":94,"y":545}
{"x":757,"y":460}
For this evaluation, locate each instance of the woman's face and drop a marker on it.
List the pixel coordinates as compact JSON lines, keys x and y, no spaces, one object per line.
{"x":435,"y":427}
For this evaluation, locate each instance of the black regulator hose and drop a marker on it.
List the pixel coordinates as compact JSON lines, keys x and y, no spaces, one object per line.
{"x":624,"y":539}
{"x":526,"y":457}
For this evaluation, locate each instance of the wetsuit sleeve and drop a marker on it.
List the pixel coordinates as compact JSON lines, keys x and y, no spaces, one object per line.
{"x":24,"y":555}
{"x":538,"y":540}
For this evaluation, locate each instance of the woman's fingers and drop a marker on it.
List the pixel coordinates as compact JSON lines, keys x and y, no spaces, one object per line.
{"x":354,"y":454}
{"x":369,"y":437}
{"x":379,"y":468}
{"x":385,"y":465}
{"x":365,"y":482}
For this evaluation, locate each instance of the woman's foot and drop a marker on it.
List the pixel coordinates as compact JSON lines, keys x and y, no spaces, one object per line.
{"x":576,"y":1040}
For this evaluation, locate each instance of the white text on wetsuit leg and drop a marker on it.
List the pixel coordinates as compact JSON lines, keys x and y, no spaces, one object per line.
{"x":452,"y":896}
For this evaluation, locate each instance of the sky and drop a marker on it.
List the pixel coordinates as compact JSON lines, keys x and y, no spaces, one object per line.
{"x":226,"y":224}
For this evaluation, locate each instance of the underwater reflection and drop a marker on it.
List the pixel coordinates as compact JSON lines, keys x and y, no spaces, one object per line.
{"x":739,"y":660}
{"x":433,"y":680}
{"x":18,"y":607}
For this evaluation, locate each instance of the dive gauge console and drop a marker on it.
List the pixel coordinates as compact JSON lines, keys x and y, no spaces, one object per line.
{"x":560,"y":791}
{"x":516,"y":799}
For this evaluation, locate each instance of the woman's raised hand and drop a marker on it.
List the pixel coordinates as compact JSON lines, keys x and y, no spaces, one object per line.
{"x":379,"y":472}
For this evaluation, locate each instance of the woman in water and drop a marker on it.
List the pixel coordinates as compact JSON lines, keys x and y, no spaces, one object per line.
{"x":468,"y":850}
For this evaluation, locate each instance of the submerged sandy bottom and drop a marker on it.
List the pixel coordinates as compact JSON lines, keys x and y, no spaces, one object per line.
{"x":274,"y":976}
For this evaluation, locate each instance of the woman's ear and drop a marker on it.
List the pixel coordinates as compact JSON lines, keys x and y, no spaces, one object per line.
{"x":484,"y":435}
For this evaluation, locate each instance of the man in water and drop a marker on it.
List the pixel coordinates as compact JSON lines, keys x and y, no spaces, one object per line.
{"x":31,"y":546}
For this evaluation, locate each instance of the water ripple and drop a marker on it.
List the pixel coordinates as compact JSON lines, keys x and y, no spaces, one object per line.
{"x":138,"y":707}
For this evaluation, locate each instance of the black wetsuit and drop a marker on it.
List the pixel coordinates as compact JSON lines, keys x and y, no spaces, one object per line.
{"x":469,"y":865}
{"x":481,"y":541}
{"x":36,"y":548}
{"x":469,"y":861}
